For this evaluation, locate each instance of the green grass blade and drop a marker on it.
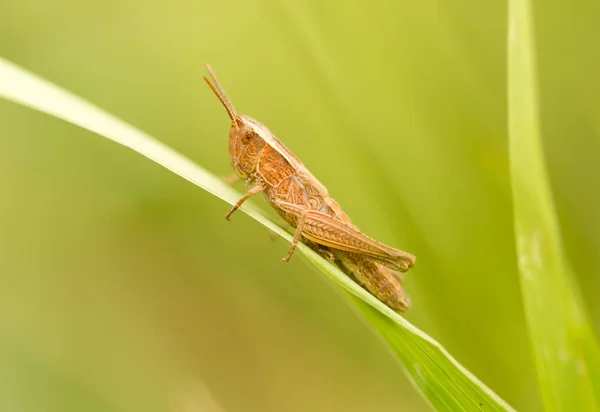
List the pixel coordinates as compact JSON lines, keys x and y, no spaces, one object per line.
{"x":565,"y":349}
{"x":435,"y":373}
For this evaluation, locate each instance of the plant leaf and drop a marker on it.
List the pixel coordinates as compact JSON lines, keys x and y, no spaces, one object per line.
{"x":444,"y":383}
{"x":565,"y":350}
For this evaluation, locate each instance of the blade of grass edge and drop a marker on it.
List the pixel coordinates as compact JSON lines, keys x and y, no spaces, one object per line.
{"x":565,"y":348}
{"x":443,"y":382}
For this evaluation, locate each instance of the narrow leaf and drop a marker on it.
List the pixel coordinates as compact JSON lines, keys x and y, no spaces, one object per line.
{"x":444,"y":383}
{"x":565,"y":350}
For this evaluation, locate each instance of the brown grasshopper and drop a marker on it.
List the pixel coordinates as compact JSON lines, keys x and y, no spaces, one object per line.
{"x":267,"y":166}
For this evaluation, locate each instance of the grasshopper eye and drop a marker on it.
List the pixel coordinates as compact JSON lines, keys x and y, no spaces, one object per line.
{"x":247,"y":136}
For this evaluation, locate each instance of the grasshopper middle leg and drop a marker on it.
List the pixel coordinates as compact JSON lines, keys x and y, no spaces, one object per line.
{"x":297,"y":235}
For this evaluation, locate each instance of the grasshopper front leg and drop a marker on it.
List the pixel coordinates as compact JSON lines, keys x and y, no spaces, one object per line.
{"x":254,"y":191}
{"x":328,"y":231}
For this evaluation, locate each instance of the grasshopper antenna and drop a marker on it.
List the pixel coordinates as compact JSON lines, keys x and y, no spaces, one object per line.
{"x":220,"y":93}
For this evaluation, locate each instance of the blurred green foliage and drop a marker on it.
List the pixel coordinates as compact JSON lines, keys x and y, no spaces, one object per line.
{"x":564,"y":345}
{"x":123,"y":288}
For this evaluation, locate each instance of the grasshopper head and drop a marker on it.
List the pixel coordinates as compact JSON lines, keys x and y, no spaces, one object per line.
{"x":246,"y":136}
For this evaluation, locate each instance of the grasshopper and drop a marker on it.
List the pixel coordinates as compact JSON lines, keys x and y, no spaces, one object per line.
{"x":267,"y":166}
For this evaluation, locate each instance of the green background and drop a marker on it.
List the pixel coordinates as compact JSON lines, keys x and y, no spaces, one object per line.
{"x":122,"y":286}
